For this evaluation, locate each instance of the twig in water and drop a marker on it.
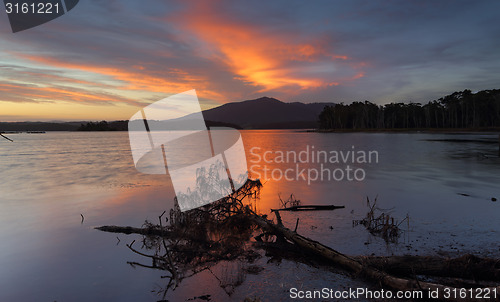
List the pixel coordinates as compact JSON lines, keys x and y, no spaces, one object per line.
{"x":383,"y":225}
{"x":6,"y":137}
{"x":83,"y":218}
{"x":278,"y":217}
{"x":296,"y":225}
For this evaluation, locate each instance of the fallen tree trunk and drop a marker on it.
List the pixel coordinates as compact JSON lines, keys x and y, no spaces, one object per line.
{"x":157,"y":231}
{"x":311,"y":208}
{"x":378,"y":269}
{"x":464,"y":267}
{"x":357,"y":267}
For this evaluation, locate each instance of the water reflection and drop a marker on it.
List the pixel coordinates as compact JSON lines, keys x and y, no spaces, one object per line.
{"x":49,"y":180}
{"x":203,"y":239}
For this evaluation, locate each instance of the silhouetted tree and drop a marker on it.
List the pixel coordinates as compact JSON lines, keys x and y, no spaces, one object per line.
{"x":462,"y":109}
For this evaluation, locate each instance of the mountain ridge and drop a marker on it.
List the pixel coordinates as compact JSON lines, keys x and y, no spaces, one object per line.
{"x":266,"y":113}
{"x":261,"y":113}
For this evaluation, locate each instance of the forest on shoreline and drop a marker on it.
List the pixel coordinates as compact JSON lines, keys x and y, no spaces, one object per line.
{"x":463,"y":110}
{"x":459,"y":110}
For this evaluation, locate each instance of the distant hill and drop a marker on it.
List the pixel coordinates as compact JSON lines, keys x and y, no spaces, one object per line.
{"x":124,"y":125}
{"x":261,"y":113}
{"x":267,"y":113}
{"x":39,"y":126}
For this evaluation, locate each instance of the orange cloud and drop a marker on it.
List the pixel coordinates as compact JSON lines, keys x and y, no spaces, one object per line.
{"x":33,"y":93}
{"x":137,"y":78}
{"x":258,"y":58}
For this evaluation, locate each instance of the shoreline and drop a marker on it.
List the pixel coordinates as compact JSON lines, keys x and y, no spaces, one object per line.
{"x":410,"y":130}
{"x":309,"y":130}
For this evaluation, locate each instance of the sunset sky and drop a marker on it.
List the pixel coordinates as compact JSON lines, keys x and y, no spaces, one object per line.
{"x":106,"y":59}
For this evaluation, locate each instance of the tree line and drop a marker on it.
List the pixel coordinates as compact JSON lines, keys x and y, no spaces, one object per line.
{"x":462,"y":109}
{"x":104,"y":126}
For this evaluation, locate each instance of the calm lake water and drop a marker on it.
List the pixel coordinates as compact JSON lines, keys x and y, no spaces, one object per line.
{"x":48,"y":180}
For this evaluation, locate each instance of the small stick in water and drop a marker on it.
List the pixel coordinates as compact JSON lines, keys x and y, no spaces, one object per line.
{"x":6,"y":137}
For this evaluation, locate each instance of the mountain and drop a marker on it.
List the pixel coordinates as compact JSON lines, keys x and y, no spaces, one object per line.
{"x":261,"y":113}
{"x":267,"y":113}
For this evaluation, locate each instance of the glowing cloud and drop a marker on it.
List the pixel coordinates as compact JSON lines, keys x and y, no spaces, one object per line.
{"x":135,"y":77}
{"x":263,"y":59}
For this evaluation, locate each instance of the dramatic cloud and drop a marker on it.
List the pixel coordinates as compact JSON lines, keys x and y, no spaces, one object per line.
{"x":116,"y":56}
{"x":267,"y":60}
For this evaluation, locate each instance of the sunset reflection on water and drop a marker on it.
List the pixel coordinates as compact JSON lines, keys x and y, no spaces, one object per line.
{"x":48,"y":180}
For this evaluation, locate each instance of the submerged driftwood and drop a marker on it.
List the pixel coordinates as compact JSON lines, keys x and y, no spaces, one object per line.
{"x":386,"y":271}
{"x":367,"y":268}
{"x":311,"y":208}
{"x":383,"y":225}
{"x":131,"y":230}
{"x":198,"y":238}
{"x":467,"y":267}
